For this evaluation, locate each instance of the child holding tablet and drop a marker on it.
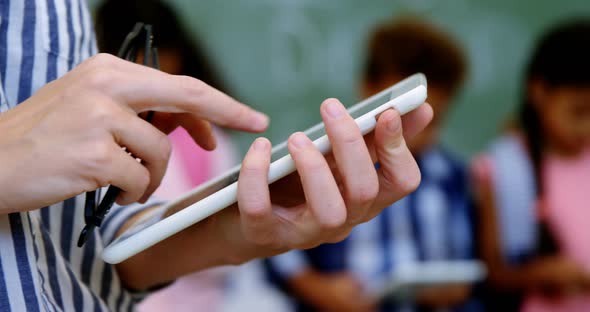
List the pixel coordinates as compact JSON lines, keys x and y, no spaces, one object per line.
{"x":532,"y":184}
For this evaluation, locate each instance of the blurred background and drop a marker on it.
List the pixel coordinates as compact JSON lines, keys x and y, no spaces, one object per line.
{"x":284,"y":57}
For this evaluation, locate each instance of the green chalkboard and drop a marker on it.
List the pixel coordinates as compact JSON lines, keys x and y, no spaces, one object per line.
{"x":285,"y":56}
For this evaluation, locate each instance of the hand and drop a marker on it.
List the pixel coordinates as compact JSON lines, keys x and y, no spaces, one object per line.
{"x":338,"y":292}
{"x":320,"y":203}
{"x":444,"y":296}
{"x":559,"y":276}
{"x":67,"y":138}
{"x":328,"y":195}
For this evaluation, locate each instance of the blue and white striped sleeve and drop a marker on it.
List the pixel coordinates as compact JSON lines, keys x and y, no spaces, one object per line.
{"x":119,"y":215}
{"x":289,"y":264}
{"x":3,"y":102}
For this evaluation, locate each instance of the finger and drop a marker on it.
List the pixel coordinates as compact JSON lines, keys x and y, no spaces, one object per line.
{"x":128,"y":174}
{"x":415,"y":121}
{"x":321,"y":192}
{"x":157,"y":91}
{"x":256,"y":214}
{"x":352,"y":157}
{"x":399,"y":174}
{"x":200,"y":130}
{"x":146,"y":142}
{"x":166,"y":122}
{"x":185,"y":94}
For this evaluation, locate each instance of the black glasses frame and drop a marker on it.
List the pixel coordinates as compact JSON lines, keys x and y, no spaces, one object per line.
{"x":94,"y":214}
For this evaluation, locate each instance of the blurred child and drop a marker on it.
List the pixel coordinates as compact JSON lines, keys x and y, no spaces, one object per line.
{"x":189,"y":164}
{"x":532,"y":186}
{"x":434,"y":223}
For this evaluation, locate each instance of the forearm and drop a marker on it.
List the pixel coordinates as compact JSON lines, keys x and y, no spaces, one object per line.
{"x":515,"y":279}
{"x":330,"y":291}
{"x":444,"y":296}
{"x":215,"y":241}
{"x":188,"y":251}
{"x":308,"y":286}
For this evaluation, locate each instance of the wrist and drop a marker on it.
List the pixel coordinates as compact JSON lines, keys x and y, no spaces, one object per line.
{"x":228,"y":245}
{"x":231,"y":245}
{"x":191,"y":250}
{"x":15,"y":174}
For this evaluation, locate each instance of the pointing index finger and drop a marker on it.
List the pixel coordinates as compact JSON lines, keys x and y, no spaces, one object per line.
{"x":143,"y":89}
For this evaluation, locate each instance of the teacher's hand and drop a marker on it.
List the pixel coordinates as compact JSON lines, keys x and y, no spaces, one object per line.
{"x":68,"y":137}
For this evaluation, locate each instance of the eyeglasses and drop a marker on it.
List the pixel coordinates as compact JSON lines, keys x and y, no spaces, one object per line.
{"x":94,"y":214}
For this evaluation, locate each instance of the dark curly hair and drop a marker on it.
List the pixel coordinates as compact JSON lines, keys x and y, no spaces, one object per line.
{"x":406,"y":47}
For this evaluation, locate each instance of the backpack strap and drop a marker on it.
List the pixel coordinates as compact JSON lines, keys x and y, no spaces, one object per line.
{"x":514,"y":188}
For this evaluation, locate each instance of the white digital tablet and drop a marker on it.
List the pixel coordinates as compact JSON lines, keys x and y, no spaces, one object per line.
{"x":407,"y":279}
{"x":221,"y":192}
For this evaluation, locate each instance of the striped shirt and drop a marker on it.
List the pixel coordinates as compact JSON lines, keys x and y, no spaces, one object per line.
{"x":433,"y":223}
{"x":41,"y":268}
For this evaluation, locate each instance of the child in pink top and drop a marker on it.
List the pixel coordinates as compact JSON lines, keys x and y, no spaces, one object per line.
{"x":564,"y":209}
{"x":567,"y":215}
{"x":534,"y":214}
